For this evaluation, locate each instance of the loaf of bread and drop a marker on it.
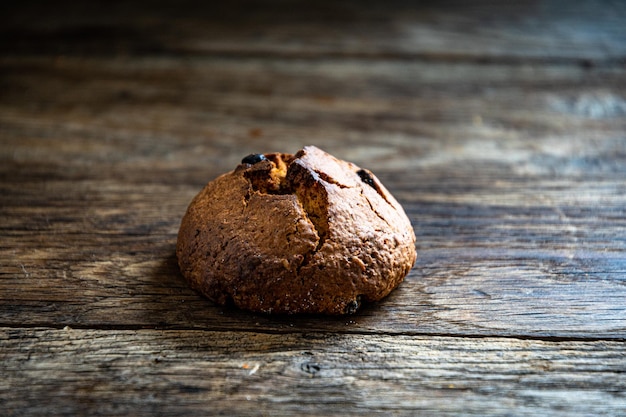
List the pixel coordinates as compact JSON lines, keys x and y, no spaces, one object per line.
{"x":303,"y":233}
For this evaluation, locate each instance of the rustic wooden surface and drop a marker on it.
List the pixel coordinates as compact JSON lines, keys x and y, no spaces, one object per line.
{"x":500,"y":128}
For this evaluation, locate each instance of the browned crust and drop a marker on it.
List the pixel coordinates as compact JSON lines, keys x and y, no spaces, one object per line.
{"x":295,"y":234}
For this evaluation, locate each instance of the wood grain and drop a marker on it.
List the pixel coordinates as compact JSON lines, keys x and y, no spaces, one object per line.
{"x":499,"y":127}
{"x":518,"y":204}
{"x":152,"y":372}
{"x":585,"y":32}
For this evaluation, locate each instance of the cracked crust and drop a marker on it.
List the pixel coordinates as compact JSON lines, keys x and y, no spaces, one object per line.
{"x":303,"y":233}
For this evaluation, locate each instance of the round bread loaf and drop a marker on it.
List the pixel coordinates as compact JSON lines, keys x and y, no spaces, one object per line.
{"x":303,"y":233}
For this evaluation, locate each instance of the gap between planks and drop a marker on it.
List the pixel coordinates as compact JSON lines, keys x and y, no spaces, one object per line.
{"x":295,"y":330}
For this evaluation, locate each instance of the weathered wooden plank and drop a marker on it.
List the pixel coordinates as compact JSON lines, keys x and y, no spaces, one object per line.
{"x":148,"y":372}
{"x":471,"y":293}
{"x":204,"y":114}
{"x":584,"y":31}
{"x":481,"y":269}
{"x":513,"y":177}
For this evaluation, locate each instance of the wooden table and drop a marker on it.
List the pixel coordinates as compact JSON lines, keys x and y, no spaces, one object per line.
{"x":500,"y":128}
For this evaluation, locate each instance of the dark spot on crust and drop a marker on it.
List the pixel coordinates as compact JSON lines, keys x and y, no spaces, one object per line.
{"x":253,"y":158}
{"x":353,"y":305}
{"x":366,"y":177}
